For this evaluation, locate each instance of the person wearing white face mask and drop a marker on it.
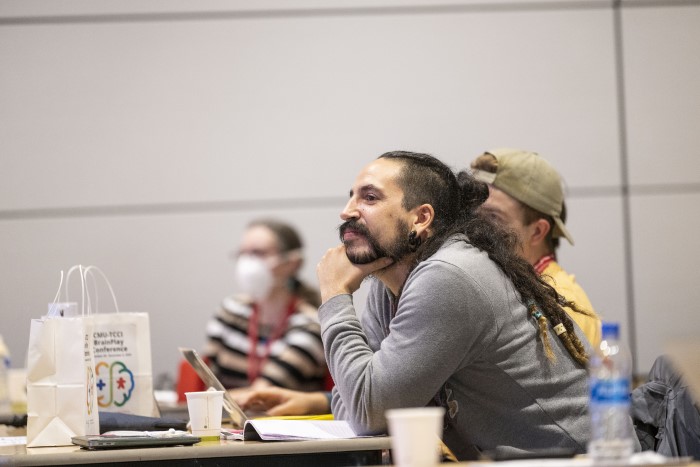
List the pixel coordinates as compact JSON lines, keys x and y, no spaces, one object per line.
{"x":268,"y":334}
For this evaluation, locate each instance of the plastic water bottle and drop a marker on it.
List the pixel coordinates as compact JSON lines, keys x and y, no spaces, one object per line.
{"x":610,"y":371}
{"x":5,"y":407}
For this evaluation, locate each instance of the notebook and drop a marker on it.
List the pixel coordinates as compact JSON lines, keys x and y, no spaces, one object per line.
{"x":238,"y":417}
{"x":283,"y":430}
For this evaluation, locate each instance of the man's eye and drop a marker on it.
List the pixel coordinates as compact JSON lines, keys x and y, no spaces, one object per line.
{"x":370,"y":197}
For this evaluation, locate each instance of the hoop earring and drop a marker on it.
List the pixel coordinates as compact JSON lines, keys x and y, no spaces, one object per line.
{"x":414,"y":241}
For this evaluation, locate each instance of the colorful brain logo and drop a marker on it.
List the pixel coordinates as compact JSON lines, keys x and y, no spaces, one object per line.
{"x":115,"y":384}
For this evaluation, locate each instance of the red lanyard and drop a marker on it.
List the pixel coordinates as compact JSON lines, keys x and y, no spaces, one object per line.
{"x":255,"y":363}
{"x":543,"y":262}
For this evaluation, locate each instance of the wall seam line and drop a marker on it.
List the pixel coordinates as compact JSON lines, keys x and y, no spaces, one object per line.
{"x":624,"y":183}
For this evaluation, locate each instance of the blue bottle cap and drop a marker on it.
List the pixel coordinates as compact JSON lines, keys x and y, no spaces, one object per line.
{"x":611,"y":330}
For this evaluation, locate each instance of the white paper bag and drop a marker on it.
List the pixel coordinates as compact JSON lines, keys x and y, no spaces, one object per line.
{"x":61,"y":396}
{"x":122,"y":346}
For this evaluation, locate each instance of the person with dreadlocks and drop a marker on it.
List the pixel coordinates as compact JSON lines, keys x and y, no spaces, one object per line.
{"x":526,"y":196}
{"x":454,"y":317}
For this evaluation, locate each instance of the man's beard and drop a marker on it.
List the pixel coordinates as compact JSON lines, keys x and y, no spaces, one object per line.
{"x":372,"y":251}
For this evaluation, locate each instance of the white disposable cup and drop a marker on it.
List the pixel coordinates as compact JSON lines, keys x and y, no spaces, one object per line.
{"x":205,"y":409}
{"x":415,"y":435}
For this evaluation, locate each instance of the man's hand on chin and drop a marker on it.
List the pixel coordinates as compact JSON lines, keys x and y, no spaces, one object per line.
{"x":337,"y":275}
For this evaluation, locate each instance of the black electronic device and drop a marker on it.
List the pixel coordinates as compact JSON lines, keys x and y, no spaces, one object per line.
{"x":135,"y":440}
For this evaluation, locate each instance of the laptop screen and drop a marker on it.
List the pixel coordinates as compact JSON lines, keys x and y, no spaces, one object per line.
{"x":238,"y":417}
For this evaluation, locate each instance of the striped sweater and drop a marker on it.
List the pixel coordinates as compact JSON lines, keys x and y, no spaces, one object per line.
{"x":296,"y":359}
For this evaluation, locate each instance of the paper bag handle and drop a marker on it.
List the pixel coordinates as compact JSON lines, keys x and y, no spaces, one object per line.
{"x":53,"y":311}
{"x":88,"y":273}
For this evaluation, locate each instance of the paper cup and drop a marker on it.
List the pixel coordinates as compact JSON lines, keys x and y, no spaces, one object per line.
{"x":205,"y":409}
{"x":415,"y":435}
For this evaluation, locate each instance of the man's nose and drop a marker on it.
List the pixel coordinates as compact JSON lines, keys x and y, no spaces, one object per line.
{"x":350,"y":211}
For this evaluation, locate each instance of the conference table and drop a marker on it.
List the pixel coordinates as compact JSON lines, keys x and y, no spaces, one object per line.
{"x":337,"y":452}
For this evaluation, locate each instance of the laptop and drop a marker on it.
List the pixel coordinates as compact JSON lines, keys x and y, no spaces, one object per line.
{"x":135,"y":440}
{"x":238,"y":417}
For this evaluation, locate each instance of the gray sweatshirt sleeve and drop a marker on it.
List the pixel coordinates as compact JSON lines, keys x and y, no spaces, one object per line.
{"x":428,"y":340}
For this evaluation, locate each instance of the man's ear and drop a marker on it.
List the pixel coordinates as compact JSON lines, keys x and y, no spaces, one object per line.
{"x":538,"y":231}
{"x":423,"y":220}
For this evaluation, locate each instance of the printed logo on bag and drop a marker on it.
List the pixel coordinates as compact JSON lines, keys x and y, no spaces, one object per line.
{"x":115,"y":384}
{"x":113,"y":366}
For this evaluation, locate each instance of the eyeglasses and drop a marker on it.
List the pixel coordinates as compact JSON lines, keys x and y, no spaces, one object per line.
{"x":263,"y":254}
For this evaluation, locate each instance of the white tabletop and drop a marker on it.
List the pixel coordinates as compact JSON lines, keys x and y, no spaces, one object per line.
{"x":71,"y":455}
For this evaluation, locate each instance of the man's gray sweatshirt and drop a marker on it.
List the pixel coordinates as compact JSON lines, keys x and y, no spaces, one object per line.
{"x":458,"y":335}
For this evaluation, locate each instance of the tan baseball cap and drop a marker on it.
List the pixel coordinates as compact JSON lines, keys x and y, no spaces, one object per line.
{"x":531,"y":180}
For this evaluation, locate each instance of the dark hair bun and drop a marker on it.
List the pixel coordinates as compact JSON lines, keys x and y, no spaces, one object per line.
{"x":474,"y":192}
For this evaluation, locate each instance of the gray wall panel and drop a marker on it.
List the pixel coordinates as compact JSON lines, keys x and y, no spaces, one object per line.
{"x":662,"y":72}
{"x":163,"y":112}
{"x":666,"y":262}
{"x":141,"y":136}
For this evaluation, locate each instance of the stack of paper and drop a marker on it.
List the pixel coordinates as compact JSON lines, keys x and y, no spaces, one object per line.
{"x":276,"y":430}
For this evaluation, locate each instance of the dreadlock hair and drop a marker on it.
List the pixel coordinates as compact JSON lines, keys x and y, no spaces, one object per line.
{"x":455,"y":198}
{"x":488,"y":163}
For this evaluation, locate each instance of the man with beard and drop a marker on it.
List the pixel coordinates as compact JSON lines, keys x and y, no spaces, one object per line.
{"x":444,"y":323}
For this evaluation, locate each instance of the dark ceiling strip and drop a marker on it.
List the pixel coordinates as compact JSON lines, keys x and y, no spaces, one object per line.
{"x":658,"y":3}
{"x":302,"y":13}
{"x":295,"y":203}
{"x":174,"y":208}
{"x":665,"y":189}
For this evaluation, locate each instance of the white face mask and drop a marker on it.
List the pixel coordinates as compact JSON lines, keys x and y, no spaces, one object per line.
{"x":253,"y":277}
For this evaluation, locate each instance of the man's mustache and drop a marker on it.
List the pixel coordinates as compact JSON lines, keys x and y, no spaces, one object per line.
{"x":352,"y":224}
